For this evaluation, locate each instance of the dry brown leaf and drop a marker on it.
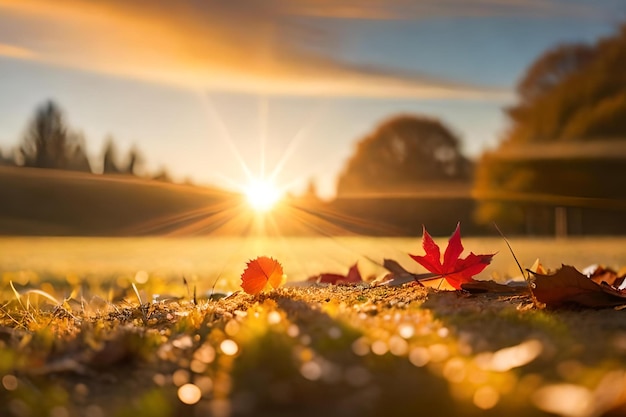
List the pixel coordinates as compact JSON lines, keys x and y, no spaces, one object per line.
{"x":569,"y":286}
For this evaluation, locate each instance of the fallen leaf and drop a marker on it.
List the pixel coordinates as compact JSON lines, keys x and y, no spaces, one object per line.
{"x":454,"y":269}
{"x":352,"y":277}
{"x":569,"y":286}
{"x":399,"y":276}
{"x":259,"y":273}
{"x":609,"y":276}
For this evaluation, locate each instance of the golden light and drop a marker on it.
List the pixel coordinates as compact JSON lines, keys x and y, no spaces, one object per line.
{"x":262,"y":195}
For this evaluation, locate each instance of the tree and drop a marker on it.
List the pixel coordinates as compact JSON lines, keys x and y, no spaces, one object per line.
{"x":110,"y":164}
{"x":47,"y":142}
{"x":162,"y":175}
{"x":404,"y":152}
{"x":566,"y":135}
{"x":551,"y":69}
{"x":135,"y":162}
{"x":78,"y":159}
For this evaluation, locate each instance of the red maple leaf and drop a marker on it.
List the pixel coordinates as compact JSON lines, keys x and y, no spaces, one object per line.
{"x":454,"y":269}
{"x":259,"y":273}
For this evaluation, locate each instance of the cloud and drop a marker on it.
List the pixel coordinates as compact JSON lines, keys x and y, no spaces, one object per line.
{"x":425,"y":9}
{"x":11,"y":51}
{"x":251,"y":45}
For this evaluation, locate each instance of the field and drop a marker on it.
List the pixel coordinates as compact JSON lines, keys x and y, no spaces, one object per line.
{"x":76,"y":339}
{"x":205,"y":260}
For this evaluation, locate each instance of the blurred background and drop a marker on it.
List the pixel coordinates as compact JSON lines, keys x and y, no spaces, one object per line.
{"x":303,"y":117}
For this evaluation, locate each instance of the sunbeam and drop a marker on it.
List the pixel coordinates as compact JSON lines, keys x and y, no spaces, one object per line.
{"x":225,"y":135}
{"x":300,"y":134}
{"x":263,"y":130}
{"x":260,"y":209}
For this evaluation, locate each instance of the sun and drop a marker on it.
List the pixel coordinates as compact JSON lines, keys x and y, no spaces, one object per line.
{"x":262,"y":195}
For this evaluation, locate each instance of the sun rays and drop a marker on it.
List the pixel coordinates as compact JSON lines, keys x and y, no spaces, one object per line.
{"x":262,"y":195}
{"x":260,"y":204}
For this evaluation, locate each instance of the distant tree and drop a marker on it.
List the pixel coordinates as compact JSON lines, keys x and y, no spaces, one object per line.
{"x":78,"y":159}
{"x":110,"y":162}
{"x":570,"y":96}
{"x":308,"y":198}
{"x":311,"y":193}
{"x":551,"y":69}
{"x":402,"y":153}
{"x":162,"y":175}
{"x":135,"y":162}
{"x":573,"y":93}
{"x":47,"y":142}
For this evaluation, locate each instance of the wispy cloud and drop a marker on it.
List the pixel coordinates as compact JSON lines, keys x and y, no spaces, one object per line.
{"x":262,"y":45}
{"x":17,"y":52}
{"x":425,"y":9}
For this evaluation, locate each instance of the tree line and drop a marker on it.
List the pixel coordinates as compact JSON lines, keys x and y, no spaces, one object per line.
{"x":564,"y":148}
{"x":49,"y":142}
{"x":566,"y":141}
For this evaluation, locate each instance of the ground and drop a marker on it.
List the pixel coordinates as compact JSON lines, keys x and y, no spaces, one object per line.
{"x":310,"y":351}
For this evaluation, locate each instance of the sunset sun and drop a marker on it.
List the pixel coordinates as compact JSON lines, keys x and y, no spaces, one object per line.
{"x":262,"y":195}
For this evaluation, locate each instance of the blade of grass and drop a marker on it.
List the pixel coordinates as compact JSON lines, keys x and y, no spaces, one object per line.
{"x":137,"y":293}
{"x":17,"y":295}
{"x":141,"y":306}
{"x":43,"y":294}
{"x":527,"y":279}
{"x":19,"y":300}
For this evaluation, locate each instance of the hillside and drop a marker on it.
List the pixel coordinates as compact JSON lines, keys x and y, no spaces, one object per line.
{"x":61,"y":203}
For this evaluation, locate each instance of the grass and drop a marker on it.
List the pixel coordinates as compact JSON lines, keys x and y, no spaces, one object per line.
{"x":308,"y":351}
{"x":108,"y":327}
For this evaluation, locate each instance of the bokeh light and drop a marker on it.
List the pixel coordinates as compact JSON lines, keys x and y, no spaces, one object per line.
{"x":189,"y":394}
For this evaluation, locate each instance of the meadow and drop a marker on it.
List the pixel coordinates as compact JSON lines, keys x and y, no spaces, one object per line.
{"x":219,"y":261}
{"x":108,"y":327}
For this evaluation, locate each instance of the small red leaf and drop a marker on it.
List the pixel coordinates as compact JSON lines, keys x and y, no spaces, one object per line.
{"x":259,"y":273}
{"x":352,"y":277}
{"x":454,"y":269}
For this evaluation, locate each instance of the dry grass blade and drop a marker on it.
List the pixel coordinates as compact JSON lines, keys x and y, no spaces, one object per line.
{"x":43,"y":294}
{"x":19,"y":300}
{"x":17,"y":295}
{"x":144,"y":316}
{"x":137,"y":294}
{"x":523,"y":272}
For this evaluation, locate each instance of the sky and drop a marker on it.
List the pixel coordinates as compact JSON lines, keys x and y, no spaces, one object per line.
{"x":219,"y":91}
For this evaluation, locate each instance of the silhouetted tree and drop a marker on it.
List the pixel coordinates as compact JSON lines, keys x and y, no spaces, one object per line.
{"x":110,"y":163}
{"x":162,"y":175}
{"x":311,"y":194}
{"x":78,"y":160}
{"x":135,"y":161}
{"x":403,"y":153}
{"x":47,"y":142}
